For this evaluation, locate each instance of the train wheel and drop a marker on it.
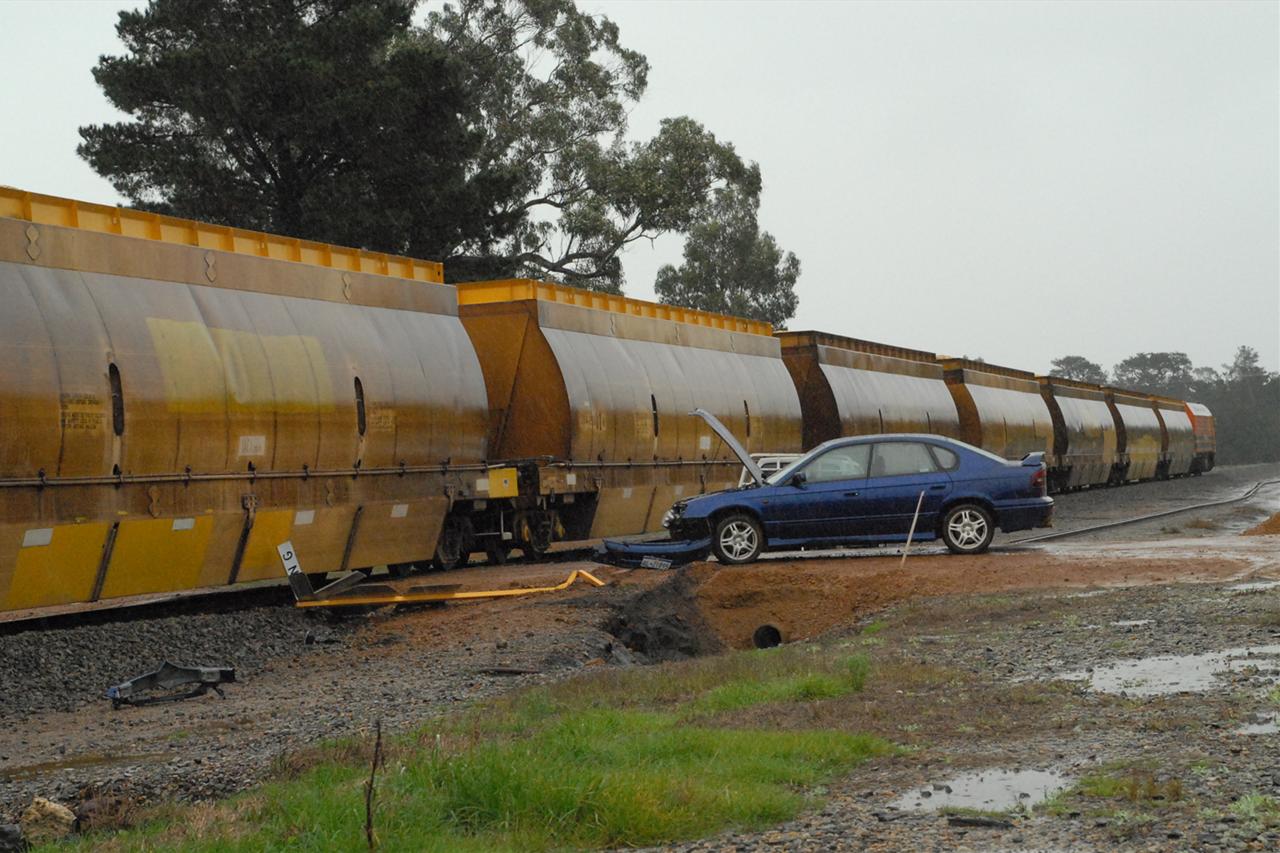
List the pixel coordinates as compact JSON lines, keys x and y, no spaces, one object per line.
{"x":496,"y":551}
{"x":536,"y":534}
{"x":454,"y":546}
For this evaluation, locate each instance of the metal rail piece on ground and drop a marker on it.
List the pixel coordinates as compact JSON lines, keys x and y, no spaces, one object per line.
{"x":167,"y":677}
{"x":344,"y":592}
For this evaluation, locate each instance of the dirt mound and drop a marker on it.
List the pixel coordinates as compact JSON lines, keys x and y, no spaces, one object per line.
{"x":666,"y":623}
{"x":706,"y":607}
{"x":1270,"y":527}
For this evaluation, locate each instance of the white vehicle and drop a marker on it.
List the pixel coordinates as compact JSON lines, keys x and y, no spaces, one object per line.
{"x":768,"y":463}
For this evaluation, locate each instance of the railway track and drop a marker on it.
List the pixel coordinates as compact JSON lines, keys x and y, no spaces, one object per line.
{"x":1110,"y":525}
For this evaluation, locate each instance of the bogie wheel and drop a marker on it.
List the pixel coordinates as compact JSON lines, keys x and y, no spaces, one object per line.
{"x":496,"y":551}
{"x":536,"y":534}
{"x":737,"y":539}
{"x":454,"y":546}
{"x":968,"y":529}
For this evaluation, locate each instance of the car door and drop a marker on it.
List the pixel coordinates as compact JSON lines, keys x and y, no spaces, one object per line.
{"x":822,"y":506}
{"x":900,"y":472}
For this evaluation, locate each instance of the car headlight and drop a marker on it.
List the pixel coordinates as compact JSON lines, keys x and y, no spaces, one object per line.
{"x":669,"y":518}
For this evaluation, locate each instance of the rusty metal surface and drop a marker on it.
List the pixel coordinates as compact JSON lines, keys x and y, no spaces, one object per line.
{"x":1179,"y":439}
{"x":165,"y":428}
{"x":1000,"y":409}
{"x":1141,"y":437}
{"x":853,"y":387}
{"x":1085,"y":440}
{"x":609,"y":393}
{"x":1202,"y":427}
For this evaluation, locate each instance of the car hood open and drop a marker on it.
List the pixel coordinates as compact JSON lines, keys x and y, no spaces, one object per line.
{"x":728,"y":438}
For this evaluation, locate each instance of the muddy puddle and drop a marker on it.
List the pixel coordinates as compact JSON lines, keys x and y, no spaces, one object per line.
{"x":1163,"y":675}
{"x":1263,"y":724}
{"x":31,"y":771}
{"x":986,"y":790}
{"x":1254,"y":586}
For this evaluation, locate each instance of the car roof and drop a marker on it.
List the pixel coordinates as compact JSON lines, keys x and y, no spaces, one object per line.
{"x":894,"y":436}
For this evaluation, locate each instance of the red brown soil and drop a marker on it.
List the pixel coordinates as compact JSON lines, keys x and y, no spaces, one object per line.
{"x":805,"y":597}
{"x":1270,"y":527}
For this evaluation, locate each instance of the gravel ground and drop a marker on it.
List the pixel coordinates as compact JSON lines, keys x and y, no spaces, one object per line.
{"x":60,"y":739}
{"x":1030,"y":641}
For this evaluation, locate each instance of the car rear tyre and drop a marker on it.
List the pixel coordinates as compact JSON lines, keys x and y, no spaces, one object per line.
{"x":737,"y":539}
{"x":968,"y":529}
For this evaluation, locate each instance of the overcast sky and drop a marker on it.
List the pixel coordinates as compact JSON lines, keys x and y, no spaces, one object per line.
{"x":1011,"y":181}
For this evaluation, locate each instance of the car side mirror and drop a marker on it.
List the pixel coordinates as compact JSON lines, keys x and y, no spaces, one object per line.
{"x":798,"y":479}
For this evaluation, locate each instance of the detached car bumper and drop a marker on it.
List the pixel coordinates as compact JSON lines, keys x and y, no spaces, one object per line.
{"x":655,"y":553}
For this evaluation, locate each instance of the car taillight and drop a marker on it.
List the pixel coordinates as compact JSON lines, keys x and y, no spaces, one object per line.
{"x":1039,"y":482}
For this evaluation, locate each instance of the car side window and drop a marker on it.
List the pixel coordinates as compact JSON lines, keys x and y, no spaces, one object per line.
{"x":895,"y":458}
{"x":948,"y":459}
{"x":839,"y":463}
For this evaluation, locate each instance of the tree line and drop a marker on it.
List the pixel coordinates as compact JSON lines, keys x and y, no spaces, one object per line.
{"x":491,"y":135}
{"x":1243,"y":395}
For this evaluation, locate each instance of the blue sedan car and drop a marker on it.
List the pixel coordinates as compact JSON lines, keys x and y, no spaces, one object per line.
{"x":858,"y":491}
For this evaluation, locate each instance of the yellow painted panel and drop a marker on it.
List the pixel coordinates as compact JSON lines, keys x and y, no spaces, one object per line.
{"x":319,"y":537}
{"x":398,"y":532}
{"x":51,"y":210}
{"x":199,"y":361}
{"x":61,"y":572}
{"x":499,"y":483}
{"x":270,"y":528}
{"x":157,"y":555}
{"x":621,"y":511}
{"x":514,"y":289}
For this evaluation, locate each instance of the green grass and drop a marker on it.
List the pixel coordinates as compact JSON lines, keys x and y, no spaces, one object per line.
{"x":622,"y":758}
{"x":1257,"y":809}
{"x":1132,"y":787}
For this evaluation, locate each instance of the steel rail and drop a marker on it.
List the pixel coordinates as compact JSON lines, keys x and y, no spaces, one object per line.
{"x":1253,"y":490}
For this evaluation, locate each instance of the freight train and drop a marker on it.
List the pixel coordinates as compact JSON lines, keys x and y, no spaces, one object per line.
{"x":178,"y":398}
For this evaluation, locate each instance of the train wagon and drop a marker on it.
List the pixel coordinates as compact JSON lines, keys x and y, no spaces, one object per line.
{"x":603,"y":387}
{"x":1202,"y":427}
{"x":1084,"y":434}
{"x":1000,"y":408}
{"x":1177,"y":437}
{"x":180,"y":398}
{"x":854,"y":387}
{"x":1141,"y":437}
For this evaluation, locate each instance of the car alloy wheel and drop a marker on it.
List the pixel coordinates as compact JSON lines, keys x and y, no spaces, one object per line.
{"x":967,"y":529}
{"x":738,"y":539}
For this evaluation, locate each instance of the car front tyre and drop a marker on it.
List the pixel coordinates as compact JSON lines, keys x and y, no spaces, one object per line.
{"x":968,"y":529}
{"x":737,"y":539}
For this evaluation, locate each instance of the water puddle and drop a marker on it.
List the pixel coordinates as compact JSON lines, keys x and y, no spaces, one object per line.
{"x":986,"y":790}
{"x":1254,"y":586}
{"x":1266,"y":724}
{"x":1166,"y":674}
{"x":1131,"y":623}
{"x":31,"y":771}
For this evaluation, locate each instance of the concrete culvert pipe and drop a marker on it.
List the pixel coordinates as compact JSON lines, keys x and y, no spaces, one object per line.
{"x":767,"y":637}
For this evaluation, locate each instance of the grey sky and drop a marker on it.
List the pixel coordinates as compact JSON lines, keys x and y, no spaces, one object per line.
{"x":1015,"y":181}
